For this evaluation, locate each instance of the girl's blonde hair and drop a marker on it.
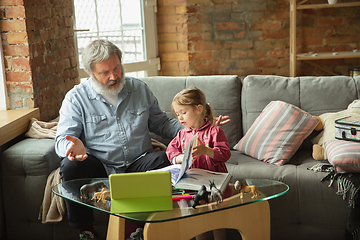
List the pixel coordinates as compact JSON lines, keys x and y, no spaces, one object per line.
{"x":193,"y":96}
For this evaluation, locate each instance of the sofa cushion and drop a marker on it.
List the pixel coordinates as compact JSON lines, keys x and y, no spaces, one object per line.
{"x":277,"y":133}
{"x":223,"y":92}
{"x":343,"y":155}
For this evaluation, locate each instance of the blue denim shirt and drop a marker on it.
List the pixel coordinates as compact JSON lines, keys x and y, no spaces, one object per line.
{"x":116,"y":135}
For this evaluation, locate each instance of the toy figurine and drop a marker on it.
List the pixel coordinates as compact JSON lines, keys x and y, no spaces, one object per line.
{"x":201,"y":195}
{"x":215,"y":193}
{"x":90,"y":188}
{"x":103,"y":196}
{"x":97,"y":195}
{"x":242,"y":188}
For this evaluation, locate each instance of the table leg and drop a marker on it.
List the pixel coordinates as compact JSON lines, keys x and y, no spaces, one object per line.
{"x":251,"y":220}
{"x":116,"y":228}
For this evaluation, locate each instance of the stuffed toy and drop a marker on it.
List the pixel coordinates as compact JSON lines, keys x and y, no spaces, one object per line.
{"x":327,"y":124}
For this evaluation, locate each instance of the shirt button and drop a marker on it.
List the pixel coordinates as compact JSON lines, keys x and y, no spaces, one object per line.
{"x":110,"y":105}
{"x":122,"y":132}
{"x":138,"y":113}
{"x":117,"y":118}
{"x":125,"y":147}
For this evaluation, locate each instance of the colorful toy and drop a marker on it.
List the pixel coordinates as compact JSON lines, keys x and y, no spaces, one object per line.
{"x":242,"y":188}
{"x":215,"y":193}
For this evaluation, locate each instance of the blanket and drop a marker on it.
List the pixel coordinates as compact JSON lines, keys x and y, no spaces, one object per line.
{"x":40,"y":129}
{"x":53,"y":207}
{"x":348,"y":187}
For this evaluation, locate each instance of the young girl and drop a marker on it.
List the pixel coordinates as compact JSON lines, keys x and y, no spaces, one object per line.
{"x":212,"y":151}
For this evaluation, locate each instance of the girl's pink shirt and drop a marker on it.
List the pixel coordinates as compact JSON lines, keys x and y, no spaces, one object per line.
{"x":212,"y":136}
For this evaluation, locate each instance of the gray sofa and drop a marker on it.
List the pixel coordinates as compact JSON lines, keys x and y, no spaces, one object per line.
{"x":310,"y":210}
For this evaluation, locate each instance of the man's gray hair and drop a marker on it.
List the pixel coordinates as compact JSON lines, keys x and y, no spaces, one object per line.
{"x":98,"y":51}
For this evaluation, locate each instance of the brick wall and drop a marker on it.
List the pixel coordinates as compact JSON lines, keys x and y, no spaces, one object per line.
{"x":172,"y":30}
{"x":198,"y":37}
{"x":40,"y":56}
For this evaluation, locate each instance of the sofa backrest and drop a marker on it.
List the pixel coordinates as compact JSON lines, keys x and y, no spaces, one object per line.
{"x":223,"y":92}
{"x":316,"y":95}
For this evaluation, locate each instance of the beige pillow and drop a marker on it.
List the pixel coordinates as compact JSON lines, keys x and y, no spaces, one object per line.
{"x":328,"y":120}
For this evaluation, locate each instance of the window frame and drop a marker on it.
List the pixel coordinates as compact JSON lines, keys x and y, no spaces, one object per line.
{"x":3,"y":91}
{"x":151,"y":66}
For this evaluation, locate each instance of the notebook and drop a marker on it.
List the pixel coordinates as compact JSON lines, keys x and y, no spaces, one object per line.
{"x":140,"y":192}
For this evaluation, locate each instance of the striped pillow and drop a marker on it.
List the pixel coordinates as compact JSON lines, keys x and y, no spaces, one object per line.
{"x":343,"y":155}
{"x":277,"y":133}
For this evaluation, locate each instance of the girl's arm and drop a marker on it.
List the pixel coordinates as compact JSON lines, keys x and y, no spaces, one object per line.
{"x":219,"y":152}
{"x":174,"y":150}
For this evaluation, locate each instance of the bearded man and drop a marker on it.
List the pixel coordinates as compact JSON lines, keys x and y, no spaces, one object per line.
{"x":104,"y":127}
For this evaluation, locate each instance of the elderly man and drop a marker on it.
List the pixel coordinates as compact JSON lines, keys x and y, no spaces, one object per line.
{"x":104,"y":127}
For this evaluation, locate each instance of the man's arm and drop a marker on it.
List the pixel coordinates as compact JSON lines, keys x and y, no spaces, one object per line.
{"x":69,"y":129}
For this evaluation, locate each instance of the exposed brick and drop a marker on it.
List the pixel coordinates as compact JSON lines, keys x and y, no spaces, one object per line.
{"x":20,"y":64}
{"x":16,"y":50}
{"x":166,"y":10}
{"x":279,"y":53}
{"x":171,"y":19}
{"x":15,"y":12}
{"x":240,"y":34}
{"x":11,"y":2}
{"x":206,"y":64}
{"x":265,"y":63}
{"x":12,"y":25}
{"x":18,"y":76}
{"x":174,"y":56}
{"x":238,"y":54}
{"x":331,"y":21}
{"x":200,"y":56}
{"x":174,"y":2}
{"x":17,"y":38}
{"x":230,"y":26}
{"x":168,"y":47}
{"x":266,"y":25}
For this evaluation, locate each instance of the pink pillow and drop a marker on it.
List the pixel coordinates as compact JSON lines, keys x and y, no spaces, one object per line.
{"x":277,"y":133}
{"x":343,"y":155}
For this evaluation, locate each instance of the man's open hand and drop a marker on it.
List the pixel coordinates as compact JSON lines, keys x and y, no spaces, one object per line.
{"x":76,"y":151}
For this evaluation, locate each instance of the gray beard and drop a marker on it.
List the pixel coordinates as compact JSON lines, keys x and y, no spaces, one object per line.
{"x":104,"y":89}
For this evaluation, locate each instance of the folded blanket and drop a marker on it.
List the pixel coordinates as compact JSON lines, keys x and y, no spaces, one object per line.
{"x":53,"y":207}
{"x":39,"y":129}
{"x":348,"y":187}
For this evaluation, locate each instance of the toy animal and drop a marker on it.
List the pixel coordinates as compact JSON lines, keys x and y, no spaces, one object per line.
{"x":97,"y":195}
{"x":103,"y":196}
{"x":201,"y":195}
{"x":90,"y":188}
{"x":242,"y":188}
{"x":215,"y":193}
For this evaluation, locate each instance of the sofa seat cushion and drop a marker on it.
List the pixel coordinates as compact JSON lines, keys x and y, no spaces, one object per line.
{"x":306,"y":205}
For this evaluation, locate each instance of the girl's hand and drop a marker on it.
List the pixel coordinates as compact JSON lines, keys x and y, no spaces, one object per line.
{"x":76,"y":151}
{"x":201,"y":149}
{"x":221,"y":120}
{"x":179,"y":159}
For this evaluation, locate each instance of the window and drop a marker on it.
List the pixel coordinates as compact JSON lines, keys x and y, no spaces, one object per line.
{"x":130,"y":24}
{"x":3,"y":92}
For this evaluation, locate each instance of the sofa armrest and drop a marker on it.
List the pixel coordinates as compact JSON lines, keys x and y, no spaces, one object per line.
{"x":25,"y":168}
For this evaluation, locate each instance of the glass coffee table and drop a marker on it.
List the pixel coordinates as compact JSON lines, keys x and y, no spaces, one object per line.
{"x":248,"y":215}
